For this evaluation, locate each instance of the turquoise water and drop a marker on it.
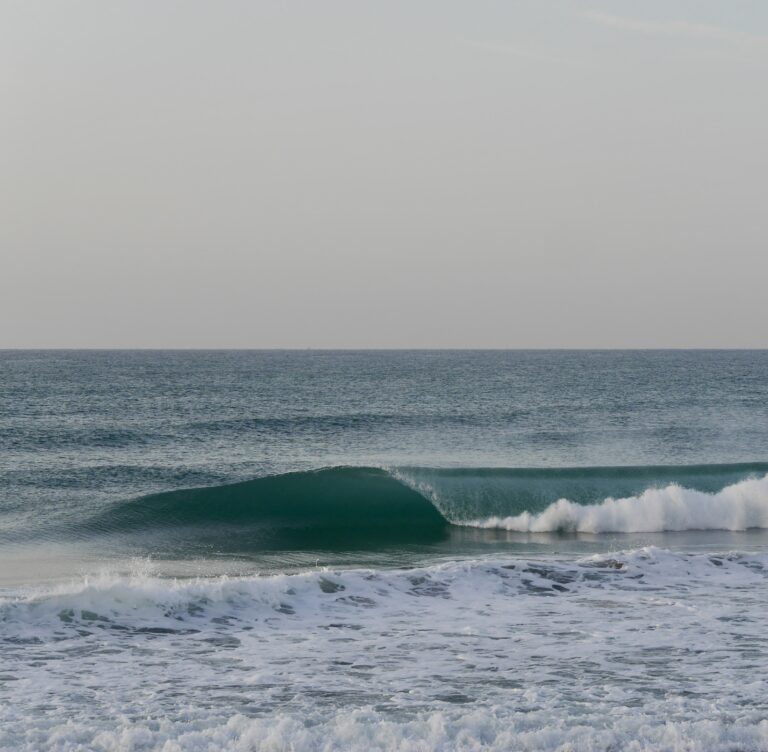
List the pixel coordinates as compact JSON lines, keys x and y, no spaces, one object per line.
{"x":378,"y":550}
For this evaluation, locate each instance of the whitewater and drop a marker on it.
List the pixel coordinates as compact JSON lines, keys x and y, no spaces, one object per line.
{"x":739,"y":506}
{"x":544,"y":653}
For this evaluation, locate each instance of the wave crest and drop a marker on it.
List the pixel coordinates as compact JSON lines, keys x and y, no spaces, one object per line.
{"x":739,"y":506}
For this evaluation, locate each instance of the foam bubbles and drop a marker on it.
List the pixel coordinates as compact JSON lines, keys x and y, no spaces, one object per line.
{"x":366,"y":730}
{"x":739,"y":506}
{"x":640,"y":650}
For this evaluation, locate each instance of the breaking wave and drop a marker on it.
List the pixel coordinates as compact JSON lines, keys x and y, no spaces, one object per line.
{"x":367,"y":507}
{"x":739,"y":506}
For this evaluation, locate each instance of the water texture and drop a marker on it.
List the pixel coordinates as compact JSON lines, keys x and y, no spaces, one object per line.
{"x":383,"y":550}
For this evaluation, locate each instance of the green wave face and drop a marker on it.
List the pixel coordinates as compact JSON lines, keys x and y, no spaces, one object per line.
{"x":330,"y":508}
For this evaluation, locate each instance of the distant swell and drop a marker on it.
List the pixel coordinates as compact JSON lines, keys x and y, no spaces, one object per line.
{"x":739,"y":506}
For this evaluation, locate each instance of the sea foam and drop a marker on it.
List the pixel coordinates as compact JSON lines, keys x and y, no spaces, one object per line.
{"x":739,"y":506}
{"x":642,"y":650}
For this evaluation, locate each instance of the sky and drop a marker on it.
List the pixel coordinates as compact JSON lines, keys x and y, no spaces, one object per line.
{"x":346,"y":173}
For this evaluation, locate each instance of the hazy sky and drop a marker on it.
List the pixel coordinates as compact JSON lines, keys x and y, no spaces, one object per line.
{"x":511,"y":173}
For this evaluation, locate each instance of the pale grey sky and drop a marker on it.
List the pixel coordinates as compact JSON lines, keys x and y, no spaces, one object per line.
{"x":540,"y":173}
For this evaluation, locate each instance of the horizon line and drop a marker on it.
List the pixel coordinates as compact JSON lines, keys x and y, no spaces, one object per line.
{"x":720,"y":348}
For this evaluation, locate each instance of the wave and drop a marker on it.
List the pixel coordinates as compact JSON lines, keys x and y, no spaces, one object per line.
{"x":470,"y":493}
{"x":142,"y":600}
{"x":368,"y":507}
{"x":359,"y":506}
{"x":739,"y":506}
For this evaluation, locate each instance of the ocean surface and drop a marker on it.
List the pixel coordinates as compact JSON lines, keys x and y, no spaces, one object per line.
{"x":316,"y":550}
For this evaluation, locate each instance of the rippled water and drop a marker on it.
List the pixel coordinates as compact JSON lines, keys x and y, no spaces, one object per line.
{"x":417,"y":551}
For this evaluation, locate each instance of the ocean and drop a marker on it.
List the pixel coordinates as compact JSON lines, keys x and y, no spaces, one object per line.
{"x":384,"y":550}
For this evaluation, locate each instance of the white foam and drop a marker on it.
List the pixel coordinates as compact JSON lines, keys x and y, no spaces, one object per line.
{"x":366,"y":730}
{"x":645,"y":650}
{"x":739,"y":506}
